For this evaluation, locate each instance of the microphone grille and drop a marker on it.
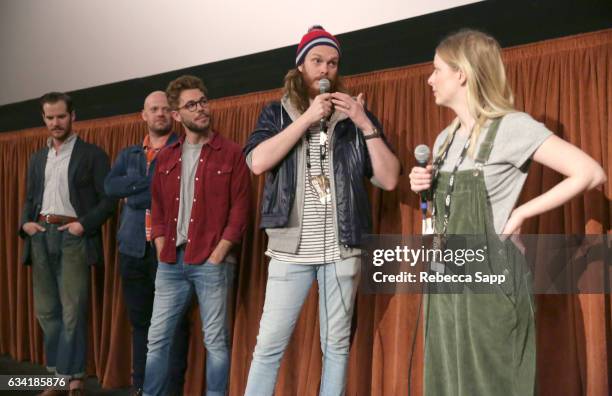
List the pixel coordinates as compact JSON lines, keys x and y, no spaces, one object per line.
{"x":324,"y":85}
{"x":422,"y":153}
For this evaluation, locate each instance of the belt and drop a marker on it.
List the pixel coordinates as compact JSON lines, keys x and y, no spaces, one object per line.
{"x":56,"y":219}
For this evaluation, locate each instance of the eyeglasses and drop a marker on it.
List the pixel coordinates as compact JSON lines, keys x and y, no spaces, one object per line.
{"x":192,"y":105}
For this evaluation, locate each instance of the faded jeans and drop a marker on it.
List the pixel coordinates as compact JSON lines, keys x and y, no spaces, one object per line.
{"x":60,"y":276}
{"x":174,"y":287}
{"x":287,"y":288}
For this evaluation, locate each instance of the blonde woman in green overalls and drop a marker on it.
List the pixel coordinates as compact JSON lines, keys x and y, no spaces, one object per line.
{"x":484,"y":343}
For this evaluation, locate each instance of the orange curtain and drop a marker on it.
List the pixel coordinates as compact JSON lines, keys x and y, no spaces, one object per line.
{"x":565,"y":83}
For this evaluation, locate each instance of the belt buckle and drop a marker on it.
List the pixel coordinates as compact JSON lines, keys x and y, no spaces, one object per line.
{"x":47,"y":216}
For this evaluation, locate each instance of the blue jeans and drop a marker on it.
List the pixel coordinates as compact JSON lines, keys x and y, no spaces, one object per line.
{"x":287,"y":288}
{"x":60,"y":277}
{"x":138,"y":283}
{"x":174,"y":287}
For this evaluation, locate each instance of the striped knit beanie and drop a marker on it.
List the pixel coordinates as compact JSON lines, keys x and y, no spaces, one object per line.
{"x":316,"y":36}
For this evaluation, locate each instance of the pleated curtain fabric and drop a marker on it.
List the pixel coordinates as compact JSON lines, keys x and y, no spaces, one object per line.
{"x":565,"y":83}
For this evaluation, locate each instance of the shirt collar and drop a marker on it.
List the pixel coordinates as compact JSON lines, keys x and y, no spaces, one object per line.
{"x":214,"y":142}
{"x":146,"y":143}
{"x":68,"y":143}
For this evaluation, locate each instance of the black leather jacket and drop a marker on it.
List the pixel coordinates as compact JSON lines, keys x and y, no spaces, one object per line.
{"x":350,"y":162}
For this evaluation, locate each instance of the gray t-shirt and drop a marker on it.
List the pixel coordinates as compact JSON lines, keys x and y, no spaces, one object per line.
{"x":189,"y":165}
{"x":518,"y":137}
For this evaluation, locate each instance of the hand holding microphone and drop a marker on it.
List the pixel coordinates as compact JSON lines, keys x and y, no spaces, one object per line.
{"x":421,"y":175}
{"x":321,"y":106}
{"x":420,"y":178}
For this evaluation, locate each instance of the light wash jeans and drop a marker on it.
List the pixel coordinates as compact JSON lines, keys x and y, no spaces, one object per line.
{"x":287,"y":288}
{"x":174,"y":287}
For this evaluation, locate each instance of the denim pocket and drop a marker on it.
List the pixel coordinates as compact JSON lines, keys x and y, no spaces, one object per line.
{"x":69,"y":239}
{"x":37,"y":235}
{"x":38,"y":247}
{"x":349,"y":267}
{"x":214,"y":274}
{"x":277,"y":270}
{"x":347,"y":278}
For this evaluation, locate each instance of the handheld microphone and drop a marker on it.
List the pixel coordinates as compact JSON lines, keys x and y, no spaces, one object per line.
{"x":421,"y":154}
{"x":324,"y":86}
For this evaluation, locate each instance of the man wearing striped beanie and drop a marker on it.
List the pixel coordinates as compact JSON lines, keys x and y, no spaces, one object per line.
{"x":317,"y":144}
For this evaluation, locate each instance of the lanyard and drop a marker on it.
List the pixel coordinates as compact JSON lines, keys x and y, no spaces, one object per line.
{"x":451,"y":181}
{"x":322,"y":151}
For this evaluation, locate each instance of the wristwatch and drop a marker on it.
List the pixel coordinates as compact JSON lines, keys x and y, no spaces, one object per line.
{"x":373,"y":135}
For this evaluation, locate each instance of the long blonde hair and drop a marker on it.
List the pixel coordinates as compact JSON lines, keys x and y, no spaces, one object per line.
{"x":478,"y":56}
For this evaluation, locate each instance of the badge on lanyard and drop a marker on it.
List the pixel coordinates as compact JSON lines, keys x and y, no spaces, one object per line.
{"x":322,"y":138}
{"x":321,"y":185}
{"x":439,"y":244}
{"x":427,"y":226}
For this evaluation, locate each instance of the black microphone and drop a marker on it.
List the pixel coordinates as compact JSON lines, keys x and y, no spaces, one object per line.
{"x":324,"y":86}
{"x":421,"y":154}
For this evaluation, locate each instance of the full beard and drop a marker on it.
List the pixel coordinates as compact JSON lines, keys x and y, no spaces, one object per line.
{"x":192,"y":126}
{"x":309,"y":86}
{"x":161,"y":130}
{"x":61,"y":134}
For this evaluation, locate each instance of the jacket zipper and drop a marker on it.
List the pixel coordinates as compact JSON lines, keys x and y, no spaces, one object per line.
{"x":332,"y":184}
